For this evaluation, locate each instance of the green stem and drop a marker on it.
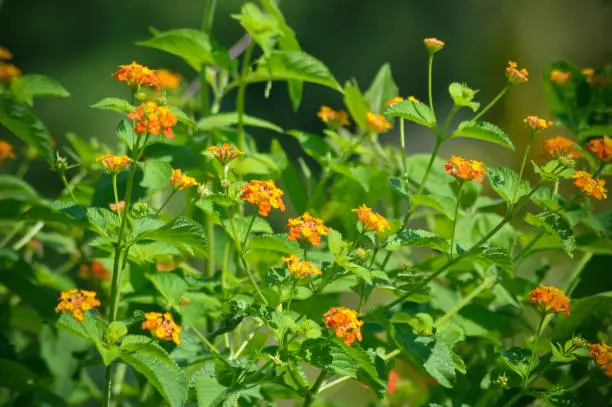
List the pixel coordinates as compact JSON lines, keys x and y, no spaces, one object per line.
{"x":209,"y":15}
{"x":525,"y":155}
{"x":403,"y":145}
{"x":429,"y":84}
{"x":449,"y":120}
{"x":486,"y":283}
{"x":174,"y":191}
{"x":29,"y":235}
{"x":210,"y":238}
{"x":291,"y":293}
{"x":572,"y":283}
{"x":524,"y":251}
{"x":310,"y":396}
{"x":492,"y":103}
{"x":116,"y":194}
{"x":248,"y":232}
{"x":240,"y":99}
{"x":533,"y":349}
{"x":452,"y":242}
{"x":364,"y":296}
{"x":244,"y":263}
{"x":204,"y":339}
{"x":434,"y":154}
{"x":67,"y":186}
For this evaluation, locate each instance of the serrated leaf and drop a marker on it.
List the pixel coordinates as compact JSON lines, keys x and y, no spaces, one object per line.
{"x":152,"y":361}
{"x":156,"y":174}
{"x":58,"y":212}
{"x":103,"y":221}
{"x":334,"y":242}
{"x":584,"y":311}
{"x":193,"y":46}
{"x":242,"y":225}
{"x":556,"y":226}
{"x":22,"y":123}
{"x":208,"y":390}
{"x":293,"y":65}
{"x":171,"y":285}
{"x":114,"y":104}
{"x":444,"y":204}
{"x":329,"y":355}
{"x":518,"y":359}
{"x":559,"y":355}
{"x":418,"y":238}
{"x":398,"y":188}
{"x":462,"y":95}
{"x":28,"y":87}
{"x":263,"y":27}
{"x":498,"y":256}
{"x":382,"y":89}
{"x":483,"y":131}
{"x":276,"y":243}
{"x":507,"y":184}
{"x":415,"y":112}
{"x":16,"y":189}
{"x":184,"y":233}
{"x":222,"y":120}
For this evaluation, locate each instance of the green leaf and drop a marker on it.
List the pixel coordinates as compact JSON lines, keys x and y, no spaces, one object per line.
{"x":171,"y":285}
{"x":16,"y":189}
{"x":418,"y":238}
{"x":498,"y":256}
{"x":274,"y":243}
{"x":462,"y":95}
{"x":559,"y":355}
{"x":382,"y":89}
{"x":415,"y":112}
{"x":222,"y":120}
{"x":356,"y":104}
{"x":22,"y":123}
{"x":184,"y":233}
{"x":193,"y":46}
{"x":507,"y":184}
{"x":156,"y":174}
{"x":29,"y":87}
{"x":398,"y":188}
{"x":152,"y":361}
{"x":19,"y":282}
{"x":313,"y":144}
{"x":556,"y":226}
{"x":115,"y":105}
{"x":289,"y":65}
{"x":483,"y":131}
{"x":242,"y":225}
{"x":208,"y":390}
{"x":182,"y":116}
{"x":518,"y":359}
{"x":433,"y":354}
{"x":263,"y":27}
{"x":103,"y":222}
{"x":584,"y":311}
{"x":444,"y":204}
{"x":329,"y":355}
{"x":334,"y":242}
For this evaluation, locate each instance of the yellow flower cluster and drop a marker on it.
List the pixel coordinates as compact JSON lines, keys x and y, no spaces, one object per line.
{"x":594,"y":187}
{"x":226,"y":153}
{"x":7,"y":71}
{"x":465,"y":170}
{"x":136,"y":75}
{"x":560,"y":146}
{"x":181,"y":181}
{"x":536,"y":123}
{"x":559,"y":77}
{"x":371,"y":220}
{"x":167,"y":79}
{"x":516,"y":76}
{"x":308,"y":228}
{"x":6,"y":151}
{"x":153,"y":119}
{"x":333,"y":118}
{"x":603,"y":356}
{"x":377,"y":122}
{"x":300,"y":269}
{"x":114,"y":163}
{"x":345,"y":324}
{"x":162,"y":326}
{"x":265,"y":194}
{"x":602,"y":146}
{"x":77,"y":302}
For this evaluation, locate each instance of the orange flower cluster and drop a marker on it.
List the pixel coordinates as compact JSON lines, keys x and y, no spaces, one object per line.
{"x":601,"y":146}
{"x":603,"y":356}
{"x":153,"y":119}
{"x":300,"y":269}
{"x":433,"y":44}
{"x":162,"y":326}
{"x":465,"y":170}
{"x":588,"y":73}
{"x":333,"y":118}
{"x":167,"y":79}
{"x":394,"y":377}
{"x":77,"y":302}
{"x":537,"y":123}
{"x":560,"y":146}
{"x":371,"y":220}
{"x":307,"y":227}
{"x":136,"y":75}
{"x":551,"y":299}
{"x":264,"y":194}
{"x":95,"y":270}
{"x":113,"y":206}
{"x":114,"y":163}
{"x":345,"y":324}
{"x":7,"y":71}
{"x":594,"y":187}
{"x":377,"y":122}
{"x":398,"y":99}
{"x":516,"y":76}
{"x":559,"y":77}
{"x":181,"y":181}
{"x":5,"y":54}
{"x":6,"y":151}
{"x":226,"y":153}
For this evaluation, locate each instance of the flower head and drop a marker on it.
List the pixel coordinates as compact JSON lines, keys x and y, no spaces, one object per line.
{"x":136,"y":75}
{"x":551,"y":299}
{"x":8,"y":72}
{"x":114,"y":163}
{"x":601,"y":146}
{"x":226,"y":153}
{"x":300,"y":269}
{"x":559,"y":77}
{"x":162,"y":326}
{"x":265,"y":194}
{"x":377,"y":122}
{"x":588,"y":74}
{"x":433,"y":44}
{"x":6,"y":151}
{"x":307,"y":227}
{"x":594,"y":187}
{"x":560,"y":146}
{"x":394,"y":101}
{"x":371,"y":220}
{"x":392,"y":381}
{"x":181,"y":181}
{"x":77,"y":302}
{"x":5,"y":54}
{"x":413,"y":99}
{"x":333,"y":118}
{"x":95,"y":270}
{"x":117,"y":207}
{"x":602,"y":353}
{"x":167,"y":79}
{"x":536,"y":123}
{"x":345,"y":324}
{"x":153,"y":119}
{"x":465,"y":170}
{"x":516,"y":76}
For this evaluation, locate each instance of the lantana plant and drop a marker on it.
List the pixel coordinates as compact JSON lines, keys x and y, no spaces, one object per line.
{"x":182,"y":264}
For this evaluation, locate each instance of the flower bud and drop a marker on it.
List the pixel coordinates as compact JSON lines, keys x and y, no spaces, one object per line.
{"x":502,"y":381}
{"x":141,"y":96}
{"x":579,"y":342}
{"x":433,"y":44}
{"x":61,"y":163}
{"x":361,"y":253}
{"x":225,"y":183}
{"x":115,"y":331}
